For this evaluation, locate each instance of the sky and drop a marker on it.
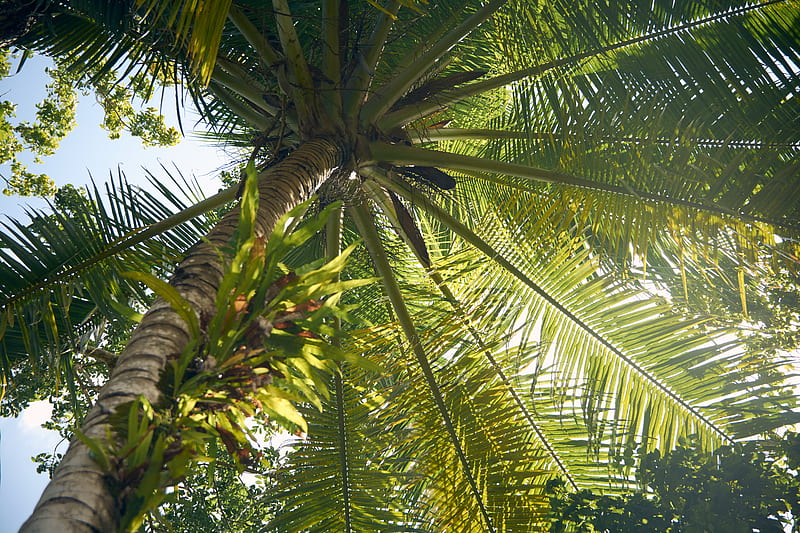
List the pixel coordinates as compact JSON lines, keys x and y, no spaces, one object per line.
{"x":85,"y":154}
{"x":20,"y":486}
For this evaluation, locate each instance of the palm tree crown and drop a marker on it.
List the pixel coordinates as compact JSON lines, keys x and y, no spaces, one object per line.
{"x":569,"y":206}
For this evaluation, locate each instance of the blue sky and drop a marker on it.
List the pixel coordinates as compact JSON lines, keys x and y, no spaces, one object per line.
{"x":87,"y":153}
{"x":20,"y":485}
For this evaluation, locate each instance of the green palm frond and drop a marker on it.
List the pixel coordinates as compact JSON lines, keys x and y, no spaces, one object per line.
{"x":643,"y":348}
{"x":98,"y":37}
{"x":640,"y":347}
{"x":95,"y":42}
{"x":626,"y":112}
{"x":505,"y":461}
{"x":61,"y":272}
{"x":350,"y":468}
{"x":198,"y":23}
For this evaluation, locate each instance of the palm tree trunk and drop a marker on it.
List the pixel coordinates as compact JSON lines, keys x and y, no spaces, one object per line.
{"x":81,"y":497}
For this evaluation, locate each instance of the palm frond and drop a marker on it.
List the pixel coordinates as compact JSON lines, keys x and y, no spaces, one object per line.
{"x":641,"y":346}
{"x":61,"y":272}
{"x":198,"y":23}
{"x":347,"y":474}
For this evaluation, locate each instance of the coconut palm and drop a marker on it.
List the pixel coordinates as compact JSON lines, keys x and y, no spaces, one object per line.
{"x":541,"y":190}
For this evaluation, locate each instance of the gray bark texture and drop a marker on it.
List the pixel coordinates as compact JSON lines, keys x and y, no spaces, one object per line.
{"x":82,"y":497}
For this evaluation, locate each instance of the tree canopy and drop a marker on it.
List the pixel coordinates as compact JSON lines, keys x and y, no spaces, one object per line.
{"x":745,"y":487}
{"x":473,"y":247}
{"x":55,"y":118}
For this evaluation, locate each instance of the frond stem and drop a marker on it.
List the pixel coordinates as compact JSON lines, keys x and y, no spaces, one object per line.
{"x":236,"y":80}
{"x":332,"y":25}
{"x":369,"y":233}
{"x":333,"y":245}
{"x":238,"y":107}
{"x":397,"y":154}
{"x":382,"y":100}
{"x":290,"y":43}
{"x":254,"y":37}
{"x":358,"y":84}
{"x":427,"y":135}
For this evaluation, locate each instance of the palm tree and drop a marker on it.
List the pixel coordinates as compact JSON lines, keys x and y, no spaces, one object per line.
{"x":541,"y":189}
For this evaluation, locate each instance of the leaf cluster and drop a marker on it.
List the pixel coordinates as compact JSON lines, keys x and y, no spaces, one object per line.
{"x":747,"y":487}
